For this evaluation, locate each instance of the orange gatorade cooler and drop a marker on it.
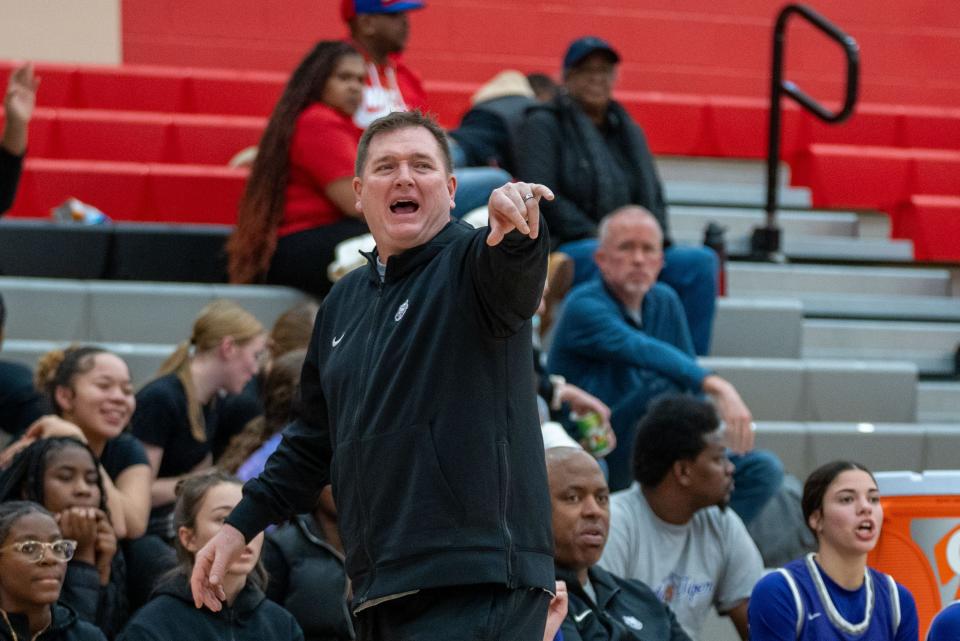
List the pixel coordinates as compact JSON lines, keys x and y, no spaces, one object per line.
{"x":920,"y":541}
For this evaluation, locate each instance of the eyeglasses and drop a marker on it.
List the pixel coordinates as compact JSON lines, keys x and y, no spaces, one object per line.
{"x":35,"y":551}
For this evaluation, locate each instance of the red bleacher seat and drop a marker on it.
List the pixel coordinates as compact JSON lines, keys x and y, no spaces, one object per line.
{"x":87,"y":134}
{"x":128,"y":191}
{"x":933,"y":223}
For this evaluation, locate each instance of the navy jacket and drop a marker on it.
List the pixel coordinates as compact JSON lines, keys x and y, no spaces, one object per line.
{"x":625,"y":610}
{"x":64,"y":626}
{"x":418,"y":404}
{"x":171,"y":616}
{"x":307,"y":578}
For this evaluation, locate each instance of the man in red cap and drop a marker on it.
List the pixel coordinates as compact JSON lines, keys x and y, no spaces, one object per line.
{"x":379,"y":30}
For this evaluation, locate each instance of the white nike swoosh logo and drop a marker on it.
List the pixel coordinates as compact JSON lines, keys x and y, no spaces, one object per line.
{"x":583,"y":615}
{"x":336,"y":341}
{"x":811,"y":617}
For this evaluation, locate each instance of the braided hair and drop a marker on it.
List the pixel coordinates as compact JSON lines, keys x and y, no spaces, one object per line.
{"x":24,"y":478}
{"x":13,"y":511}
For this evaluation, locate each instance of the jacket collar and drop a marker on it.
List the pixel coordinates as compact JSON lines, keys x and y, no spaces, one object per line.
{"x":402,"y":264}
{"x":603,"y":584}
{"x":16,"y":626}
{"x":307,"y":526}
{"x":247,"y":601}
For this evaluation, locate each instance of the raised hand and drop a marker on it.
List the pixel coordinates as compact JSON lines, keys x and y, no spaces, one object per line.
{"x":515,"y":206}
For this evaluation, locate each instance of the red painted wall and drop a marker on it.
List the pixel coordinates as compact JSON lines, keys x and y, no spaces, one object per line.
{"x":717,"y":47}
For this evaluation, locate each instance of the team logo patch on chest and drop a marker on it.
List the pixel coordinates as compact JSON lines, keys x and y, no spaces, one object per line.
{"x":402,"y":310}
{"x":633,"y":622}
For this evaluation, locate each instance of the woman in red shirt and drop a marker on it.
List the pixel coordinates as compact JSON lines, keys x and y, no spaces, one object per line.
{"x":299,"y":200}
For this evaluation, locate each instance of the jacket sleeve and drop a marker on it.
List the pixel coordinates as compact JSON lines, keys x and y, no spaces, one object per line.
{"x":81,"y":590}
{"x":300,"y":467}
{"x":593,"y":328}
{"x":10,"y":168}
{"x":508,"y":278}
{"x":277,"y":569}
{"x":538,"y":160}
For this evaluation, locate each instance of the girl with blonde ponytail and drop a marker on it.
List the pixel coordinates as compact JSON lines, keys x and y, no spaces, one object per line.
{"x":176,"y":417}
{"x":90,"y":391}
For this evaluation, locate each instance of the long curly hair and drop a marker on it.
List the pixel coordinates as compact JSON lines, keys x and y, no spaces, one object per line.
{"x":253,"y":242}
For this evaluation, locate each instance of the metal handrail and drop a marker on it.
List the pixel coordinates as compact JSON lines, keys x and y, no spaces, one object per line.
{"x":765,"y":242}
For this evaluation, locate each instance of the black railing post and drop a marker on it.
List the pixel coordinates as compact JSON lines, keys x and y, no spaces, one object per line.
{"x":765,"y":242}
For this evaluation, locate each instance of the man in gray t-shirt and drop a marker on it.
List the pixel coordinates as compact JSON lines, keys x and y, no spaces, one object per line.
{"x":671,"y":528}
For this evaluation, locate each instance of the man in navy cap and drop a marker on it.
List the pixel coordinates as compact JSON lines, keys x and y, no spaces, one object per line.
{"x":585,"y":145}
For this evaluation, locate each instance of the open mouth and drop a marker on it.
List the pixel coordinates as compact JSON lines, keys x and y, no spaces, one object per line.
{"x":405,"y":207}
{"x":866,"y":529}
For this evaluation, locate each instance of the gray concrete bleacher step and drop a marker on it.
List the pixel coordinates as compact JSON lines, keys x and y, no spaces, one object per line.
{"x":758,"y":327}
{"x":881,"y":446}
{"x":930,"y":346}
{"x":732,"y":195}
{"x":740,"y":221}
{"x":938,"y":402}
{"x":881,"y":307}
{"x":778,"y":389}
{"x":126,"y":312}
{"x":143,"y":359}
{"x":718,"y":170}
{"x":768,"y":280}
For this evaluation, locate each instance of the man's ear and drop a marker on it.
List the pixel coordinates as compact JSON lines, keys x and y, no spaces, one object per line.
{"x":452,"y":190}
{"x":681,"y":472}
{"x":357,"y":187}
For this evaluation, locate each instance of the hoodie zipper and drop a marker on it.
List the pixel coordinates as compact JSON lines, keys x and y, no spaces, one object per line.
{"x":371,"y":335}
{"x":504,"y":497}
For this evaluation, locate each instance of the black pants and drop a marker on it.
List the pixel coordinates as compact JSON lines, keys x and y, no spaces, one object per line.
{"x":465,"y":613}
{"x":302,"y":258}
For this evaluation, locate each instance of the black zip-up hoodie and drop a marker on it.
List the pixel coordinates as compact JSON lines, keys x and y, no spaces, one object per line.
{"x":171,"y":616}
{"x":418,"y":404}
{"x":64,"y":626}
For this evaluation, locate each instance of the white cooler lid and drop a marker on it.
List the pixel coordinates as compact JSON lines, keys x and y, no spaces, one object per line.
{"x":927,"y":483}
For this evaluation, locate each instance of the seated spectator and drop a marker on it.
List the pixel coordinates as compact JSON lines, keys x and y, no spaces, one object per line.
{"x":176,"y":416}
{"x":33,"y":563}
{"x":601,"y":605}
{"x":946,"y":625}
{"x":291,"y":331}
{"x":299,"y":201}
{"x":203,"y":501}
{"x":379,"y":30}
{"x":304,"y":559}
{"x":18,"y":104}
{"x":250,"y":449}
{"x":624,"y":339}
{"x":831,"y":594}
{"x":671,"y":528}
{"x":20,"y":402}
{"x":488,"y":132}
{"x":595,"y":158}
{"x":63,"y":475}
{"x":90,"y":391}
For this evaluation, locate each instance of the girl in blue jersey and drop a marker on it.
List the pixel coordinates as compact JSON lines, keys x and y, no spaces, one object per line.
{"x":831,"y":594}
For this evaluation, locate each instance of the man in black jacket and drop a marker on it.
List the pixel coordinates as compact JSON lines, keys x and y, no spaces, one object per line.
{"x":418,"y":407}
{"x":602,"y":607}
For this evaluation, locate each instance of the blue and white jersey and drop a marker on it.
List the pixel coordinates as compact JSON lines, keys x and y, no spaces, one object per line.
{"x":801,"y":602}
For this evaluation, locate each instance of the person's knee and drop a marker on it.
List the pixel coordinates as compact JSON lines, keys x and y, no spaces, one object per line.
{"x":763,"y":468}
